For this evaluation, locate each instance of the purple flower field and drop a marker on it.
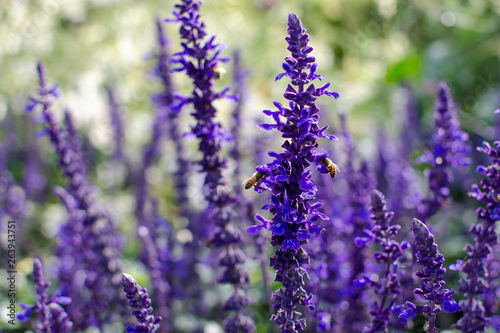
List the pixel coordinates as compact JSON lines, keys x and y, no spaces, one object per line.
{"x":225,"y":216}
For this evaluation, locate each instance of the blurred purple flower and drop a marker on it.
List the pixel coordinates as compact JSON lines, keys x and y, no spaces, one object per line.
{"x":162,"y":102}
{"x":329,"y":269}
{"x":411,"y":124}
{"x":138,"y":298}
{"x":51,"y":316}
{"x":475,"y":286}
{"x":356,"y":219}
{"x":361,"y":182}
{"x":294,"y":216}
{"x":240,"y":90}
{"x":383,"y":232}
{"x":12,"y":197}
{"x":156,"y":255}
{"x":89,"y":246}
{"x":34,"y":180}
{"x":70,"y":159}
{"x":245,"y":205}
{"x":432,"y":281}
{"x":116,"y":116}
{"x":448,"y":149}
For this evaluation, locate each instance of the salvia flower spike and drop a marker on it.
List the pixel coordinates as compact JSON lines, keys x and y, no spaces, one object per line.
{"x":97,"y":249}
{"x":476,"y":283}
{"x":432,"y":280}
{"x":51,"y":316}
{"x":294,"y":215}
{"x":200,"y":60}
{"x":448,"y":150}
{"x":138,"y":298}
{"x":383,"y":232}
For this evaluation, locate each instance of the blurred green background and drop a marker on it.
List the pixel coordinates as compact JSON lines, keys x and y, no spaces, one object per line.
{"x":366,"y":49}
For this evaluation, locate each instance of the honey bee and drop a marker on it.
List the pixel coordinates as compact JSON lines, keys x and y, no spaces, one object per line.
{"x":332,"y":167}
{"x":218,"y":72}
{"x":254,"y":180}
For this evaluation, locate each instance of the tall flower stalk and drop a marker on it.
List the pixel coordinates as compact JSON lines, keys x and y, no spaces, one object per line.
{"x":388,"y":287}
{"x":88,"y":242}
{"x":356,"y":215}
{"x":475,"y":265}
{"x":154,"y":231}
{"x":432,"y":281}
{"x":448,"y":150}
{"x":200,"y":60}
{"x":51,"y":316}
{"x":138,"y":299}
{"x":294,"y":214}
{"x":116,"y":116}
{"x":246,"y":206}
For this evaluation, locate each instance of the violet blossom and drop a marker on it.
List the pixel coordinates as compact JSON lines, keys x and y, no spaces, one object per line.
{"x":475,"y":286}
{"x":116,"y":120}
{"x":156,"y":255}
{"x":239,"y":76}
{"x":432,"y":281}
{"x":410,"y":122}
{"x":12,"y":197}
{"x":383,"y":233}
{"x":329,"y":269}
{"x":154,"y":230}
{"x":51,"y":316}
{"x":294,"y":215}
{"x":245,"y":205}
{"x":356,"y":217}
{"x":138,"y":299}
{"x":34,"y":180}
{"x":200,"y":59}
{"x":162,"y":102}
{"x":89,"y":242}
{"x":448,"y":149}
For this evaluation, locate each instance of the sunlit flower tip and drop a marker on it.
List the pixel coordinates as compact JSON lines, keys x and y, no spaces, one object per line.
{"x":419,"y":229}
{"x":138,"y":298}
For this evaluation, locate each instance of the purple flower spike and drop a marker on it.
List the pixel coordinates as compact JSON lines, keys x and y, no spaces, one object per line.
{"x":388,"y":286}
{"x":294,"y":216}
{"x":476,"y":284}
{"x":200,"y":60}
{"x":448,"y":150}
{"x":138,"y":298}
{"x":89,"y":252}
{"x":432,"y":277}
{"x":51,"y":316}
{"x":116,"y":119}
